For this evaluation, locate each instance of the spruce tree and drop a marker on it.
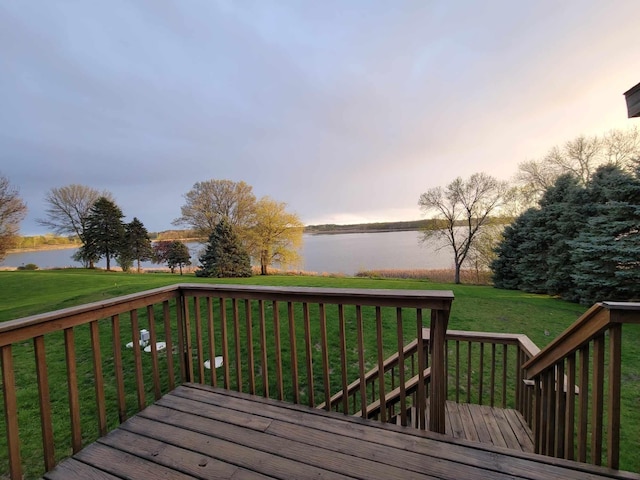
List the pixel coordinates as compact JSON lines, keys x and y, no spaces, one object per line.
{"x":607,"y":253}
{"x":104,"y":231}
{"x":137,"y":245}
{"x":563,"y":206}
{"x":224,"y":256}
{"x":505,"y":274}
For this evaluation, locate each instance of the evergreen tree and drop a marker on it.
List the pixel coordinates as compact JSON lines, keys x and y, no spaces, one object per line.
{"x":607,"y":253}
{"x":178,"y":256}
{"x":137,"y":245}
{"x":104,"y":231}
{"x":224,"y":256}
{"x":563,"y":207}
{"x":505,"y":273}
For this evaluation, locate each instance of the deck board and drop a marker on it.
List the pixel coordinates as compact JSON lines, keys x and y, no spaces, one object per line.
{"x":494,"y":426}
{"x":204,"y":432}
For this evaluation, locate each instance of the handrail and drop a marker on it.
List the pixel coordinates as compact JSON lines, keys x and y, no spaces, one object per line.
{"x":520,"y":339}
{"x":390,"y":362}
{"x":393,"y":397}
{"x":572,"y":427}
{"x":592,"y":323}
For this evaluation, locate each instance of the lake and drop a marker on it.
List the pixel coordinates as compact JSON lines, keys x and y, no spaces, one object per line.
{"x":339,"y":253}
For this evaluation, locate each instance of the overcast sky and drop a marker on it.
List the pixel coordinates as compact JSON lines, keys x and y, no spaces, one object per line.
{"x":346,"y":110}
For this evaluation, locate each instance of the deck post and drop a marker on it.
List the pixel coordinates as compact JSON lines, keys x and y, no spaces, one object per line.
{"x":437,"y":332}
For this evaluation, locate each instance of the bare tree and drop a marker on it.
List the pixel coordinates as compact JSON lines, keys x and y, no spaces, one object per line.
{"x":622,"y":148}
{"x":580,"y":157}
{"x":68,"y":208}
{"x":461,"y":210}
{"x":207,"y":203}
{"x":12,"y":212}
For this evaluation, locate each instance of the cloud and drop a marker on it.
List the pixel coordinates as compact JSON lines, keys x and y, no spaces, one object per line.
{"x":340,"y":110}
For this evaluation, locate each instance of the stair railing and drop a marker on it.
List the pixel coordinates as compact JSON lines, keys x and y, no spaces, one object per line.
{"x":577,"y":383}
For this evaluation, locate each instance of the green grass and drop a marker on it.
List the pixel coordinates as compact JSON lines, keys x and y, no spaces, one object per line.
{"x":477,"y":308}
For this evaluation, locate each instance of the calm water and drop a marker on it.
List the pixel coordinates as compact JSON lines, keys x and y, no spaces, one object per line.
{"x":344,"y":253}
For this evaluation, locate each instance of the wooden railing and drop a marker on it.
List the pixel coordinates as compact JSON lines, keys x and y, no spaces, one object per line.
{"x":486,"y":368}
{"x":569,"y":379}
{"x":81,"y":371}
{"x":482,"y":368}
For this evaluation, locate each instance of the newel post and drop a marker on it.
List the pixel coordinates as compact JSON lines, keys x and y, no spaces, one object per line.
{"x":438,"y":396}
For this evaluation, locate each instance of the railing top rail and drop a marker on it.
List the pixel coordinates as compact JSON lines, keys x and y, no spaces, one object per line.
{"x":591,"y":324}
{"x":72,"y":316}
{"x":434,"y":299}
{"x":530,"y":348}
{"x":29,"y":327}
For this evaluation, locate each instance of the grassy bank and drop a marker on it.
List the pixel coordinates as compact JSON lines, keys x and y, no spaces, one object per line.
{"x":479,"y":308}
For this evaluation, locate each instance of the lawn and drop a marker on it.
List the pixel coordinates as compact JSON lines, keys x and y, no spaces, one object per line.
{"x":477,"y":308}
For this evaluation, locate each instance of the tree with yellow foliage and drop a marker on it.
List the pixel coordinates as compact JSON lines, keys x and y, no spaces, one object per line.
{"x":276,"y":235}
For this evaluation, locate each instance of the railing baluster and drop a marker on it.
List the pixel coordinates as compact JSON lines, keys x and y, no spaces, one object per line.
{"x":157,"y":390}
{"x":309,"y":353}
{"x":199,"y":343}
{"x":380,"y":352}
{"x":263,"y":349}
{"x":72,"y":385}
{"x":45,"y":403}
{"x":584,"y":403}
{"x":457,"y":371}
{"x":492,"y":376}
{"x":188,"y":342}
{"x":569,"y":430}
{"x":166,"y":314}
{"x":98,"y":377}
{"x":250,"y":359}
{"x":11,"y":411}
{"x":118,"y":369}
{"x":236,"y":343}
{"x":361,"y":364}
{"x":293,"y":354}
{"x":137,"y":357}
{"x":597,"y":400}
{"x":225,"y":343}
{"x":613,"y":414}
{"x":212,"y":342}
{"x":519,"y":378}
{"x":538,"y":431}
{"x":343,"y":358}
{"x":481,"y":373}
{"x":182,"y":353}
{"x":403,"y":393}
{"x":560,"y":404}
{"x":505,"y":356}
{"x":469,"y":372}
{"x":422,"y":365}
{"x":276,"y":335}
{"x":325,"y":357}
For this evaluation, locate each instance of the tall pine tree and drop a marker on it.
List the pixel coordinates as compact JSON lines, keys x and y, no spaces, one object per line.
{"x":137,"y":245}
{"x":104,"y":231}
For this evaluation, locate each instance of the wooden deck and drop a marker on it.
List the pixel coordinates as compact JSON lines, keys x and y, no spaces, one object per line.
{"x":202,"y":432}
{"x":480,"y":423}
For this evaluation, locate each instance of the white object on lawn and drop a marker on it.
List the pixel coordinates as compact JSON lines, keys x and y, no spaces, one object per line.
{"x":207,"y":363}
{"x":159,"y":347}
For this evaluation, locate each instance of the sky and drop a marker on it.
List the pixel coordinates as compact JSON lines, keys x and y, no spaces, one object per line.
{"x":345,"y":110}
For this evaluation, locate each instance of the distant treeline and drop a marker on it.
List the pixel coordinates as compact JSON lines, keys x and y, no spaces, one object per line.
{"x":413,"y":225}
{"x":368,"y":227}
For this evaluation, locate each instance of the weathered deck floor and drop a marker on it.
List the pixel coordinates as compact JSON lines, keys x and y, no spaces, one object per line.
{"x":202,"y":432}
{"x":481,"y":423}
